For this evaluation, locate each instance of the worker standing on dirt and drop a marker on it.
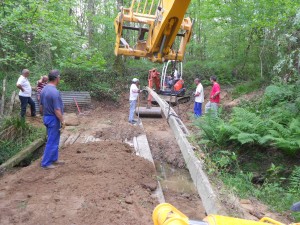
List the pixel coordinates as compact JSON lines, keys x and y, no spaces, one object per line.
{"x":25,"y":93}
{"x":52,"y":109}
{"x":214,"y":98}
{"x":134,"y":93}
{"x":199,"y":98}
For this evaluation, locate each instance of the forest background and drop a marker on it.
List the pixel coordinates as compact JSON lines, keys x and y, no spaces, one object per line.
{"x":248,"y":44}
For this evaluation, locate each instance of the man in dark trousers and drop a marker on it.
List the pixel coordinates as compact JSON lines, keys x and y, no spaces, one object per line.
{"x":25,"y":93}
{"x":52,"y":109}
{"x":199,"y":98}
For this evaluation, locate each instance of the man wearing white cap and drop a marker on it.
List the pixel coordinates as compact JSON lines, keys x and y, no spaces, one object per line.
{"x":134,"y":93}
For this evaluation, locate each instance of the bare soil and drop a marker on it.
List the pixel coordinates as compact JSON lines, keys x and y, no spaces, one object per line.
{"x":101,"y":183}
{"x":162,"y":142}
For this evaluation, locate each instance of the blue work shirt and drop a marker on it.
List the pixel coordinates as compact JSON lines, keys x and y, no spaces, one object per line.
{"x":51,"y":100}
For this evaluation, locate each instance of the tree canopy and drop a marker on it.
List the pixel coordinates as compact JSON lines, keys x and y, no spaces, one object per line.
{"x":234,"y":39}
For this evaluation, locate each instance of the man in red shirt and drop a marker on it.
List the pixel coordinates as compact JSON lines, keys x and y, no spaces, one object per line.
{"x":214,"y":98}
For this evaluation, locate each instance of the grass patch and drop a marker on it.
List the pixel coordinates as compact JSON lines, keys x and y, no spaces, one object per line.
{"x":16,"y":134}
{"x":273,"y":194}
{"x":247,"y":87}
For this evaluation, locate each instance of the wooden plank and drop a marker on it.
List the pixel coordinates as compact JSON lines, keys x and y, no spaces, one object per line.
{"x":63,"y":138}
{"x":71,"y":139}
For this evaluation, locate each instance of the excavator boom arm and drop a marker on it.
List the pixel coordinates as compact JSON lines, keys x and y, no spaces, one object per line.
{"x":157,"y":29}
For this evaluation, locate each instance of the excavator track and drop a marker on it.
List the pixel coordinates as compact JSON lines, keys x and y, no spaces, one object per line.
{"x":174,"y":100}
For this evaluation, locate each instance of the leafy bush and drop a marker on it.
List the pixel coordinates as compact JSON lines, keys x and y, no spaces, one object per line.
{"x":275,"y":94}
{"x":275,"y":123}
{"x":247,"y":87}
{"x":271,"y":124}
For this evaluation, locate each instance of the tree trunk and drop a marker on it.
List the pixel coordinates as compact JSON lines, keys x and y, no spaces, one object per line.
{"x":90,"y":23}
{"x":12,"y":101}
{"x":3,"y":97}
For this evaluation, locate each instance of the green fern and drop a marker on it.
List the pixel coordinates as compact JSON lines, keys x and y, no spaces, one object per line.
{"x":282,"y":130}
{"x":245,"y":138}
{"x":267,"y":139}
{"x":295,"y":180}
{"x":272,"y":126}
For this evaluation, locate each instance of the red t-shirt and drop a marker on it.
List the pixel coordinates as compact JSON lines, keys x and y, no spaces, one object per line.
{"x":216,"y":88}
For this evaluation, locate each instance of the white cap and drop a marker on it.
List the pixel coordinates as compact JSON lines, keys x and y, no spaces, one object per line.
{"x":134,"y":80}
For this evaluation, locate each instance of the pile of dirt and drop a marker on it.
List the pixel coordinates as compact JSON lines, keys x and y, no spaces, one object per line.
{"x":120,"y":132}
{"x":247,"y":97}
{"x":101,"y":183}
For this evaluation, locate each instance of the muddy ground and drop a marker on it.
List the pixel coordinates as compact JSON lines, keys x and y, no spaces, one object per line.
{"x":102,"y":182}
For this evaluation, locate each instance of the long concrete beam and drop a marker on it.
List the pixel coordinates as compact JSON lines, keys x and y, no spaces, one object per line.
{"x":142,"y":149}
{"x":16,"y":159}
{"x":194,"y":165}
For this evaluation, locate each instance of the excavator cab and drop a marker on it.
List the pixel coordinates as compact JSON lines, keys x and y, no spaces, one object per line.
{"x":171,"y":81}
{"x":169,"y":84}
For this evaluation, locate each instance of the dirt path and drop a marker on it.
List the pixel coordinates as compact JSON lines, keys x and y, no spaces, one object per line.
{"x":102,"y":182}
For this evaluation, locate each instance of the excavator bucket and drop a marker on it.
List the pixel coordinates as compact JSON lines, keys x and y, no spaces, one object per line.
{"x":157,"y":24}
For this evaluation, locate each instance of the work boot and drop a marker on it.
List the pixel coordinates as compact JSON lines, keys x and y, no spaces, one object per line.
{"x":49,"y":167}
{"x":59,"y":162}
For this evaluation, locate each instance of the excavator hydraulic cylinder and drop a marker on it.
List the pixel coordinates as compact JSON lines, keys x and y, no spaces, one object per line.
{"x":166,"y":214}
{"x":224,"y":220}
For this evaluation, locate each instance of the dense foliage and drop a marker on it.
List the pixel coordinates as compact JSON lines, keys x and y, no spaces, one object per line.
{"x":233,"y":39}
{"x":271,"y":122}
{"x":261,"y":139}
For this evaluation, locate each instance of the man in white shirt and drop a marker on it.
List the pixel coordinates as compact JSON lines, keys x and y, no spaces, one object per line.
{"x":134,"y":93}
{"x":199,"y":98}
{"x":25,"y":93}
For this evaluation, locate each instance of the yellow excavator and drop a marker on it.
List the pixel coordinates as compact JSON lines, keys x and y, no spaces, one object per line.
{"x":158,"y":23}
{"x":162,"y":34}
{"x":166,"y":214}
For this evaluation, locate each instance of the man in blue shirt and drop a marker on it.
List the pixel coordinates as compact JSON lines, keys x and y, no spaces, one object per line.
{"x":52,"y":109}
